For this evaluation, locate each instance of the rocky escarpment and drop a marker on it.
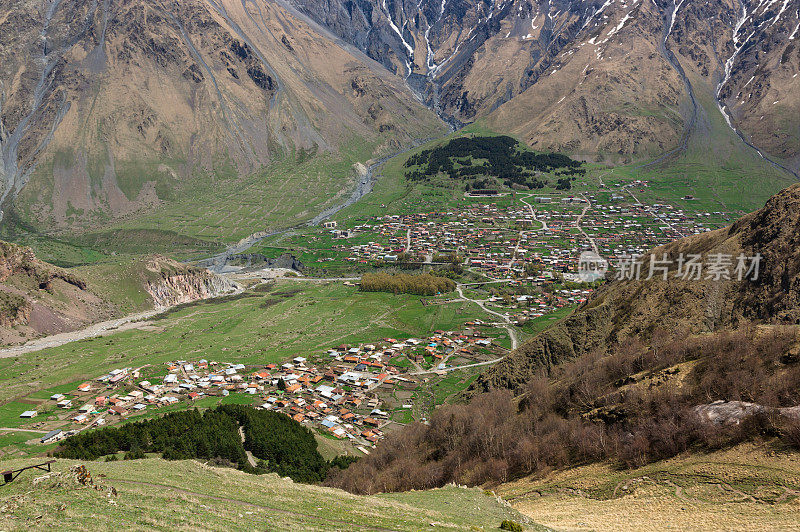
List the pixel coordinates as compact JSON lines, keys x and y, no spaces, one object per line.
{"x":25,"y":279}
{"x":643,"y":308}
{"x":16,"y":259}
{"x":170,"y":283}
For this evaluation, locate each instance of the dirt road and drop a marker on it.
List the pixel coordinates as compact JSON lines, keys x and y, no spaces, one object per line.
{"x":578,"y":225}
{"x":250,"y":458}
{"x":104,"y":328}
{"x":512,"y":334}
{"x":9,"y":429}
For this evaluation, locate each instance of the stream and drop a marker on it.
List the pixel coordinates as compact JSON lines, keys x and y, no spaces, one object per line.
{"x":218,"y":263}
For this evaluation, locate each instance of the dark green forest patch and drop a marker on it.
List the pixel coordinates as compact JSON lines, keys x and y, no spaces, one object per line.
{"x":280,"y":444}
{"x":483,"y":162}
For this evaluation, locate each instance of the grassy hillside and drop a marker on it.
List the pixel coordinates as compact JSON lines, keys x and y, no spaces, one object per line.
{"x":744,"y":488}
{"x":197,"y":220}
{"x":290,"y":190}
{"x":155,"y":494}
{"x":716,"y":168}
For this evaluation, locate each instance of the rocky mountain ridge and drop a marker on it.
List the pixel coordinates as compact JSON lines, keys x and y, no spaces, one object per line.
{"x":617,"y":77}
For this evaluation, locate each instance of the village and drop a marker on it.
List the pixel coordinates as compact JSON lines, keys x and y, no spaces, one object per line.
{"x":504,"y":239}
{"x":355,"y":393}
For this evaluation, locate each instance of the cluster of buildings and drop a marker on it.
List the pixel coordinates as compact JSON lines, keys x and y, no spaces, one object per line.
{"x":345,"y":391}
{"x":501,"y":240}
{"x":632,"y":229}
{"x":526,"y":307}
{"x":342,"y":391}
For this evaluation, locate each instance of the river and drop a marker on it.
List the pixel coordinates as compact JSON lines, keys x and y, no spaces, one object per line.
{"x":364,"y":184}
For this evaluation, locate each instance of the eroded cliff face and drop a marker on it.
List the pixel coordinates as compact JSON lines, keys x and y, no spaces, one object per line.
{"x":174,"y":283}
{"x":20,"y":260}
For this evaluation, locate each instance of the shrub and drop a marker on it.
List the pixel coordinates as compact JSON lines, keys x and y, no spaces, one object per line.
{"x":513,"y":526}
{"x":618,"y":404}
{"x":134,"y":454}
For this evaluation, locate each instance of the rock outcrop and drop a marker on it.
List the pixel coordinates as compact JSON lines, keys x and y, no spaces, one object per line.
{"x":170,"y":283}
{"x":733,"y":412}
{"x":38,"y":298}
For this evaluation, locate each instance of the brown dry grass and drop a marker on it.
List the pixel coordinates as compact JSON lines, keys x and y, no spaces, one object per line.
{"x":744,"y":488}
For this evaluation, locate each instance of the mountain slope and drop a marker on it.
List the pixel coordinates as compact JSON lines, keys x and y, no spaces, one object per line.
{"x":615,"y":78}
{"x":746,"y":487}
{"x":154,"y":493}
{"x":116,"y":107}
{"x":39,"y":299}
{"x":623,"y":309}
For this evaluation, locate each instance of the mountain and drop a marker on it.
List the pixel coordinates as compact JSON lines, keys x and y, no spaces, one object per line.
{"x":615,"y":79}
{"x":115,"y":107}
{"x":115,"y":111}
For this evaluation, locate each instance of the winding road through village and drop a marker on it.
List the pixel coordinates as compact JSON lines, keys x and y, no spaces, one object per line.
{"x":506,"y":323}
